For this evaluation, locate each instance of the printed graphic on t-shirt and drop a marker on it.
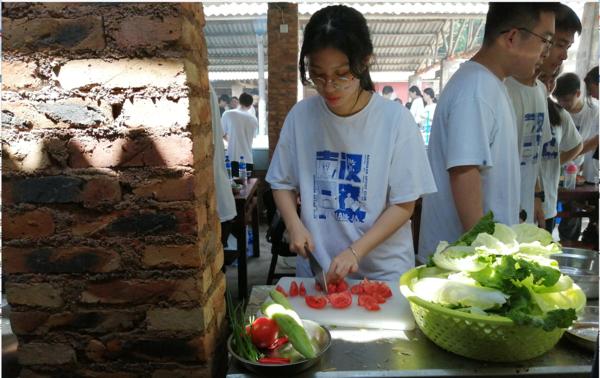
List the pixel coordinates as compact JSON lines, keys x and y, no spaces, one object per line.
{"x":340,"y":186}
{"x":532,"y":137}
{"x":550,"y":148}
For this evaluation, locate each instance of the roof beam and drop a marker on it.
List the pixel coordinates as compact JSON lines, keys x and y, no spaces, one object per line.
{"x":458,"y":35}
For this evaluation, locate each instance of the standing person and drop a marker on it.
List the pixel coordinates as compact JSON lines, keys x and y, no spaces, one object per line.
{"x":356,"y":159}
{"x":223,"y":103}
{"x":566,"y":25}
{"x":239,"y":127}
{"x":234,"y":103}
{"x":225,"y":200}
{"x":428,"y":112}
{"x":416,"y":103}
{"x":591,"y":83}
{"x":387,"y":92}
{"x":563,"y":146}
{"x":473,"y":144}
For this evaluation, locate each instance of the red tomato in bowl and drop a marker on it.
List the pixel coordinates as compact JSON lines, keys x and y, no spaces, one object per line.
{"x":263,"y":332}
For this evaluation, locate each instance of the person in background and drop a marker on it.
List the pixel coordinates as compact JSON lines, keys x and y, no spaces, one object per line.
{"x":234,"y":103}
{"x":416,"y":103}
{"x":356,"y":159}
{"x":388,"y":92}
{"x":473,"y":145}
{"x":225,"y":200}
{"x":591,"y":83}
{"x":428,"y":112}
{"x":398,"y":100}
{"x":564,"y":145}
{"x":223,"y":103}
{"x":239,"y":127}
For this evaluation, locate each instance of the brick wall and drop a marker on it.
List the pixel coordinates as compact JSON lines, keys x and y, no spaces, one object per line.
{"x":283,"y":66}
{"x":111,"y":252}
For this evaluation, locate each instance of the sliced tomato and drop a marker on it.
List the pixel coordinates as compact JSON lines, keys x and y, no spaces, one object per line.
{"x":373,"y":307}
{"x":293,"y":289}
{"x":340,"y":300}
{"x":281,"y":290}
{"x":357,"y":289}
{"x":366,"y":299}
{"x":302,"y":290}
{"x":278,"y":343}
{"x":315,"y":301}
{"x":342,"y":285}
{"x":318,"y":287}
{"x":331,"y":288}
{"x":384,"y":289}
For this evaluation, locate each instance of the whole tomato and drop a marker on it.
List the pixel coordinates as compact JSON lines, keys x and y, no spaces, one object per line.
{"x":263,"y":332}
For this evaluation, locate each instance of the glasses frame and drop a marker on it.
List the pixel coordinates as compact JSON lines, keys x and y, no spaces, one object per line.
{"x":339,"y":83}
{"x":548,"y":42}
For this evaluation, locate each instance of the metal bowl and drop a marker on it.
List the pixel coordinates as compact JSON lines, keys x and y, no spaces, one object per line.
{"x":321,"y":339}
{"x":582,"y":266}
{"x":584,"y":332}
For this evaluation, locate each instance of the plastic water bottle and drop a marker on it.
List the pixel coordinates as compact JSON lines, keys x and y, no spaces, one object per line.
{"x":242,"y":171}
{"x":228,"y":167}
{"x":570,"y":176}
{"x":249,"y":241}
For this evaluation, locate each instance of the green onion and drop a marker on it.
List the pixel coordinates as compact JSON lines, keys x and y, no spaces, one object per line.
{"x":241,"y":342}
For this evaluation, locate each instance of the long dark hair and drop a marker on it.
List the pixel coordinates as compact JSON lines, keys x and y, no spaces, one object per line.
{"x":344,"y":29}
{"x":416,"y":90}
{"x":554,"y":113}
{"x":431,"y":94}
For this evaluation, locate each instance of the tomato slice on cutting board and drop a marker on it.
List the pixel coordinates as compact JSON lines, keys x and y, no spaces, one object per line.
{"x":340,"y":300}
{"x":293,"y":289}
{"x":281,"y":290}
{"x":302,"y":290}
{"x":315,"y":301}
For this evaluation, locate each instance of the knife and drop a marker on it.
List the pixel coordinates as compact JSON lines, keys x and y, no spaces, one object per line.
{"x":317,"y":270}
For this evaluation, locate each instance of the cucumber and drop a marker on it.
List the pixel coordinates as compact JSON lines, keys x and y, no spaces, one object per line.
{"x":295,"y":333}
{"x":275,"y":308}
{"x":281,"y":299}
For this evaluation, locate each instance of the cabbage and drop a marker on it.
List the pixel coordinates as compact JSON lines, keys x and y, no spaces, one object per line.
{"x":536,"y":248}
{"x":454,"y":293}
{"x":562,"y":300}
{"x":564,"y":283}
{"x":505,"y":234}
{"x":527,"y":233}
{"x":458,"y":258}
{"x":487,"y":243}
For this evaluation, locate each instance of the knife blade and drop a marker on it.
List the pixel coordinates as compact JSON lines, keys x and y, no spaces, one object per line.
{"x":317,"y":270}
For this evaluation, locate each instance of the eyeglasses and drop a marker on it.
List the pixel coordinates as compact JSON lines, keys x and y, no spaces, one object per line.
{"x":339,"y":82}
{"x":548,"y":42}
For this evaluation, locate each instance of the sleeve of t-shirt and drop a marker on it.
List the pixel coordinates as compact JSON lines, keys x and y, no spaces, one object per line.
{"x":282,"y":173}
{"x":225,"y":123}
{"x":571,"y":137}
{"x":470,"y":130}
{"x":411,"y":174}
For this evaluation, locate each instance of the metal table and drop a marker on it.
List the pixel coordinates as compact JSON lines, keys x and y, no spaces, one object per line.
{"x":385,"y":353}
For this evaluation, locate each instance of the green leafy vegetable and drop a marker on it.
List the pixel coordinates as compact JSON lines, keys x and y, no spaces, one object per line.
{"x":485,"y":224}
{"x":242,"y":341}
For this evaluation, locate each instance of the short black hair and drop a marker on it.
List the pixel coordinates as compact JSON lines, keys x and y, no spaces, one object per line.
{"x":387,"y":89}
{"x":567,"y":20}
{"x":246,"y":100}
{"x":591,"y":78}
{"x":342,"y":28}
{"x":567,"y":84}
{"x":416,"y":90}
{"x":506,"y":16}
{"x":225,"y":98}
{"x":234,"y":98}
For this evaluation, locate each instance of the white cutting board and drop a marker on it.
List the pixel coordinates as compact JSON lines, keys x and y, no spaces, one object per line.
{"x":394,"y":314}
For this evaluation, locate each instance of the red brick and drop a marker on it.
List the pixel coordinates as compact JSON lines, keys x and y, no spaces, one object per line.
{"x":168,"y":256}
{"x":34,"y":224}
{"x":101,"y":191}
{"x":151,"y":151}
{"x":178,"y":319}
{"x":140,"y":291}
{"x":102,"y":374}
{"x":168,"y":189}
{"x":34,"y":294}
{"x":54,"y":33}
{"x":205,"y":344}
{"x":7,"y":193}
{"x":122,"y":73}
{"x":141,"y":31}
{"x":95,"y":350}
{"x":24,"y":155}
{"x":152,"y":113}
{"x":163,"y":349}
{"x":19,"y":75}
{"x":36,"y":353}
{"x":40,"y":323}
{"x":74,"y":259}
{"x":90,"y":224}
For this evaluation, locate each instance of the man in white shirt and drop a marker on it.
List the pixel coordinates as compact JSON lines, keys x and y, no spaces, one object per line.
{"x":473,"y":146}
{"x":240,"y":127}
{"x":388,"y":92}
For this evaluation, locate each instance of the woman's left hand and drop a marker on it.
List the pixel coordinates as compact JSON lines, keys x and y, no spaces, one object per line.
{"x":342,"y":265}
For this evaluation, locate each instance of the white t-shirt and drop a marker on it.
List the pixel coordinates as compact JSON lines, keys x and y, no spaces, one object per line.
{"x":586,"y":122}
{"x":474,"y":124}
{"x":564,"y":138}
{"x":416,"y":109}
{"x":348,"y":170}
{"x":225,"y":201}
{"x":533,"y":128}
{"x":240,"y":127}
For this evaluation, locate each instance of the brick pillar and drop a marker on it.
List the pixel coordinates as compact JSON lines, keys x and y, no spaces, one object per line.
{"x":111,"y":248}
{"x":283,"y":66}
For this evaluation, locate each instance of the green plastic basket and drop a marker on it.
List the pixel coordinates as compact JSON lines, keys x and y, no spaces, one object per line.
{"x":487,"y":338}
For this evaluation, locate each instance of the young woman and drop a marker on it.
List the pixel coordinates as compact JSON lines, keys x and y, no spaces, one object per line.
{"x":356,"y":160}
{"x":417,"y":106}
{"x":427,"y":114}
{"x":564,"y":146}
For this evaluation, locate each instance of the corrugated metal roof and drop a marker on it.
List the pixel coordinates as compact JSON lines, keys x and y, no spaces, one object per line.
{"x":404,"y":34}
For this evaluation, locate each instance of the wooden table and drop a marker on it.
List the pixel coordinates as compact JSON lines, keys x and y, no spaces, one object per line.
{"x":585,"y":198}
{"x":246,"y":203}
